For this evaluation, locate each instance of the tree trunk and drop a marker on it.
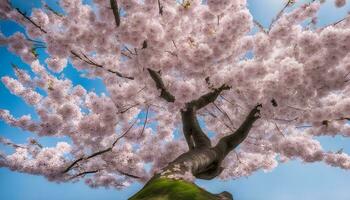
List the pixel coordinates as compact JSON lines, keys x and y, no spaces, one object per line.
{"x":201,"y":161}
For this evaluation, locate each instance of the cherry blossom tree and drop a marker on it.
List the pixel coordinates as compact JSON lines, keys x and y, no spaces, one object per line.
{"x":176,"y":71}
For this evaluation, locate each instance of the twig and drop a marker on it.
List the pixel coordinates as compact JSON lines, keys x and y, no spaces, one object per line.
{"x":174,"y":44}
{"x":214,"y":116}
{"x":52,"y":10}
{"x":289,"y":2}
{"x":132,"y":53}
{"x":261,"y":27}
{"x":224,"y":113}
{"x":335,"y":23}
{"x":127,"y":174}
{"x":128,"y":108}
{"x":279,"y":130}
{"x":124,"y":54}
{"x":145,"y":122}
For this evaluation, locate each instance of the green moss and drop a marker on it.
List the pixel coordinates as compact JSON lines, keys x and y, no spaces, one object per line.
{"x":168,"y":189}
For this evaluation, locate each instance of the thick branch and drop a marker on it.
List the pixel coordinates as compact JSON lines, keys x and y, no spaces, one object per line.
{"x":228,"y":143}
{"x":193,"y":133}
{"x":115,"y":9}
{"x":165,"y":94}
{"x":208,"y":98}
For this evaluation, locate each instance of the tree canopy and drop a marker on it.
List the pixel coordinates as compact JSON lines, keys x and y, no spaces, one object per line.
{"x":179,"y":75}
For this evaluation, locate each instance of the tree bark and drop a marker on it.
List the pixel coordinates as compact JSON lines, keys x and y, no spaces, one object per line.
{"x":202,"y":161}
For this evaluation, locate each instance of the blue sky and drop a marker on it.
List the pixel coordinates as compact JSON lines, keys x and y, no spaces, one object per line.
{"x":290,"y":181}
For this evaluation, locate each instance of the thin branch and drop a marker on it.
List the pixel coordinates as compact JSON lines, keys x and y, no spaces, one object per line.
{"x":214,"y":116}
{"x":230,"y":102}
{"x":293,"y":107}
{"x":132,"y":53}
{"x":261,"y":27}
{"x":174,"y":44}
{"x":278,"y":129}
{"x":92,"y":63}
{"x":52,"y":10}
{"x":115,"y":9}
{"x":30,"y":20}
{"x":113,"y":5}
{"x":124,"y":54}
{"x":73,"y":164}
{"x":285,"y":120}
{"x":224,"y":113}
{"x":279,"y":14}
{"x":127,"y":174}
{"x":126,"y":132}
{"x":335,"y":23}
{"x":304,"y":126}
{"x":128,"y":108}
{"x":171,"y":53}
{"x":35,"y":41}
{"x":145,"y":122}
{"x":165,"y":94}
{"x":84,"y":173}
